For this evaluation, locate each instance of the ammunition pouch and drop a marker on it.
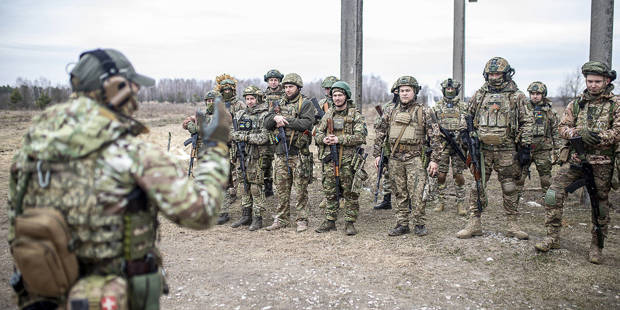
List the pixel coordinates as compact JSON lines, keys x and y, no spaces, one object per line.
{"x":145,"y":290}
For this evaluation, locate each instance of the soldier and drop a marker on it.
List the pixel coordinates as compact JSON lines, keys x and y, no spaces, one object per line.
{"x":545,"y":139}
{"x":406,"y":127}
{"x":595,"y":117}
{"x":227,"y":86}
{"x":325,"y":104}
{"x":83,"y":175}
{"x":273,"y":93}
{"x":345,"y":163}
{"x":293,"y":163}
{"x":386,"y":184}
{"x":503,"y":122}
{"x":450,"y":113}
{"x":191,"y":123}
{"x":252,"y":134}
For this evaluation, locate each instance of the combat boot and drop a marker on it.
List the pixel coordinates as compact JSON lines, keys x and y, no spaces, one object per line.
{"x":399,"y":230}
{"x":473,"y":228}
{"x":327,"y":225}
{"x":596,"y":253}
{"x":552,"y":241}
{"x":386,"y":204}
{"x":246,"y":218}
{"x":514,"y":230}
{"x":420,"y":230}
{"x":302,"y":226}
{"x":223,"y":218}
{"x":257,"y":223}
{"x":460,"y":208}
{"x":349,"y":229}
{"x":268,"y":188}
{"x":323,"y":203}
{"x":440,"y":204}
{"x":276,"y":225}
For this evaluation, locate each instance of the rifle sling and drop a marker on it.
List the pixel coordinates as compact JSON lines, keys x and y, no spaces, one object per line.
{"x":400,"y":135}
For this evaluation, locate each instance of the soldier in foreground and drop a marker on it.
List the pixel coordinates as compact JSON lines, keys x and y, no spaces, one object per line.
{"x":86,"y":192}
{"x":191,"y":123}
{"x":273,"y":94}
{"x":592,"y":123}
{"x":545,"y":139}
{"x":386,"y":185}
{"x":503,"y":124}
{"x":342,"y":132}
{"x":406,"y":128}
{"x":450,"y":113}
{"x":291,"y":122}
{"x":253,"y":139}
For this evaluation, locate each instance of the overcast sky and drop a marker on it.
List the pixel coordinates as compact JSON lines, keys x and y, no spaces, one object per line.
{"x":542,"y":39}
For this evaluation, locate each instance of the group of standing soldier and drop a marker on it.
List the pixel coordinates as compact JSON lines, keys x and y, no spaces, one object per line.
{"x":415,"y":148}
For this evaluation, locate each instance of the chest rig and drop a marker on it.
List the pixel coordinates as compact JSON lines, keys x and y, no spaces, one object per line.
{"x":407,"y":128}
{"x":496,"y":117}
{"x":541,"y":120}
{"x":449,"y":114}
{"x":273,"y":96}
{"x":252,"y":123}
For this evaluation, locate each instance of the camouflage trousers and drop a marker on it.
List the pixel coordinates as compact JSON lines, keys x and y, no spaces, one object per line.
{"x":409,"y":178}
{"x":430,"y":189}
{"x":232,"y":186}
{"x":284,"y":182}
{"x":267,"y":166}
{"x":330,"y":190}
{"x":542,"y":159}
{"x":448,"y":157}
{"x":554,"y":198}
{"x":255,"y":197}
{"x":386,"y":183}
{"x":508,"y":171}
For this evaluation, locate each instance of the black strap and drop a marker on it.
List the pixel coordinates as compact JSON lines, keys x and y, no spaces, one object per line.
{"x":109,"y":66}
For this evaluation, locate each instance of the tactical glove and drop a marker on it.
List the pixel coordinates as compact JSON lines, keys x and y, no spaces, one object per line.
{"x":524,"y":155}
{"x":218,"y":130}
{"x":589,"y":137}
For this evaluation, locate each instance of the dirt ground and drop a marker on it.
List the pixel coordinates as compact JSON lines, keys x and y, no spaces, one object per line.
{"x":226,"y":268}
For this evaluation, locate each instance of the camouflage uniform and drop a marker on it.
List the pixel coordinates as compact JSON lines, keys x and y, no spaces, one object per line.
{"x":325,"y":104}
{"x":502,"y":121}
{"x":587,"y":114}
{"x":409,"y":124}
{"x":191,"y":123}
{"x":272,"y":96}
{"x":257,"y":141}
{"x":450,"y":113}
{"x":299,"y":112}
{"x":110,"y":187}
{"x":349,"y":127}
{"x":386,"y":182}
{"x":545,"y":139}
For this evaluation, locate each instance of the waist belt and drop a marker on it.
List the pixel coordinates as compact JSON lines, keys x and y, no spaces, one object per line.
{"x":402,"y":148}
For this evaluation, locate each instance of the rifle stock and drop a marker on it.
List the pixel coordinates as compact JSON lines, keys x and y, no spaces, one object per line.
{"x":474,"y":157}
{"x":241,"y":155}
{"x":333,"y":150}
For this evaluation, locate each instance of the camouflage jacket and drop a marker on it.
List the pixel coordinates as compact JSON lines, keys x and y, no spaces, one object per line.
{"x":95,"y":164}
{"x":326,"y":103}
{"x":502,"y":118}
{"x":419,"y":121}
{"x":545,"y":135}
{"x":191,"y":124}
{"x":252,"y":131}
{"x":299,"y":113}
{"x":384,"y":107}
{"x":596,"y":114}
{"x":450,"y":114}
{"x":271,"y":95}
{"x":349,"y":127}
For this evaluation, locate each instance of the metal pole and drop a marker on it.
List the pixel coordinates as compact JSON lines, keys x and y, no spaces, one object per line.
{"x":351,"y":47}
{"x":458,"y":45}
{"x":601,"y":30}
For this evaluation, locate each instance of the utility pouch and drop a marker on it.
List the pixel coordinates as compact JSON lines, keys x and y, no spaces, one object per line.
{"x":97,"y":292}
{"x":145,"y":290}
{"x":41,"y":252}
{"x":359,"y":180}
{"x":564,"y":153}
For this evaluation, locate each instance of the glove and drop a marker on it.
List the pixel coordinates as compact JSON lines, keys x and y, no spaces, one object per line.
{"x":218,"y":130}
{"x":524,"y":155}
{"x":589,"y":137}
{"x":192,"y":128}
{"x":189,"y":119}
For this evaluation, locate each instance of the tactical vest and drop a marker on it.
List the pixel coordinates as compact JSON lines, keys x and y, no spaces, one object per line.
{"x":272,"y":96}
{"x":541,"y":128}
{"x":410,"y":123}
{"x":296,"y":140}
{"x":449,"y":114}
{"x":496,"y":118}
{"x":253,"y":123}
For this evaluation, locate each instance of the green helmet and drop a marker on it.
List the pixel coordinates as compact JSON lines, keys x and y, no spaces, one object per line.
{"x":96,"y":66}
{"x":342,"y":85}
{"x":394,"y":87}
{"x":498,"y":65}
{"x":450,"y":83}
{"x":212,"y":94}
{"x":538,"y":87}
{"x":329,"y":81}
{"x":253,"y":91}
{"x":293,"y":78}
{"x":407,"y":80}
{"x":273,"y":73}
{"x":598,"y":68}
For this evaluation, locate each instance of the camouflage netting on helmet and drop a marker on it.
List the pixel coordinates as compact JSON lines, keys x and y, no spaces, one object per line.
{"x":329,"y":81}
{"x":225,"y":81}
{"x":293,"y":78}
{"x":538,"y":87}
{"x":598,"y":68}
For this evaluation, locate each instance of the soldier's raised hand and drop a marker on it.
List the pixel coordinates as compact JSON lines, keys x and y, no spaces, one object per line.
{"x":218,"y":130}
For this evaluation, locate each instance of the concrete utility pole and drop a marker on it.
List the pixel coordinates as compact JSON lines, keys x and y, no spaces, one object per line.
{"x":458,"y":45}
{"x":601,"y":30}
{"x":351,"y":47}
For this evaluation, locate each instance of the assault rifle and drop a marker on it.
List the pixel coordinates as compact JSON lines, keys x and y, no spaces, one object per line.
{"x":449,"y":137}
{"x":586,"y":180}
{"x":282,"y":136}
{"x":382,"y":161}
{"x":193,"y":140}
{"x":241,"y":155}
{"x":473,"y":156}
{"x":333,"y":156}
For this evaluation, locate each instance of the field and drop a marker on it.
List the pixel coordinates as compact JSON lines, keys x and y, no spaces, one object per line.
{"x":226,"y":268}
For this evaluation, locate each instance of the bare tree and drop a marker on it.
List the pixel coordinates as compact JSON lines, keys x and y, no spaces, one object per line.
{"x":571,"y":87}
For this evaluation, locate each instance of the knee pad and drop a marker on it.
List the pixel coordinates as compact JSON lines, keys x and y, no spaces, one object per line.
{"x":459,"y":180}
{"x":509,"y":188}
{"x":550,"y":198}
{"x":441,"y":178}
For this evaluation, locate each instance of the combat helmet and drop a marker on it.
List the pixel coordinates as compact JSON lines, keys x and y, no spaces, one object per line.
{"x":538,"y":87}
{"x":329,"y":81}
{"x":407,"y":80}
{"x":254,"y":91}
{"x":293,"y":78}
{"x":273,"y":73}
{"x":450,"y":83}
{"x":498,"y":65}
{"x":342,"y":85}
{"x":598,"y":68}
{"x":225,"y":81}
{"x":394,"y":87}
{"x":212,"y":94}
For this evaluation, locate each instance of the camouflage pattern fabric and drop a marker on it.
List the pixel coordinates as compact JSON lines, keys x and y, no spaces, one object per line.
{"x":350,"y":128}
{"x":233,"y":105}
{"x":409,"y":178}
{"x":191,"y":125}
{"x":273,"y":95}
{"x":386,"y":184}
{"x":542,"y":160}
{"x":284,"y":182}
{"x":101,"y":292}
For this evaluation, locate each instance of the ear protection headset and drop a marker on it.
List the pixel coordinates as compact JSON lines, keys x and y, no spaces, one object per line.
{"x":116,"y":88}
